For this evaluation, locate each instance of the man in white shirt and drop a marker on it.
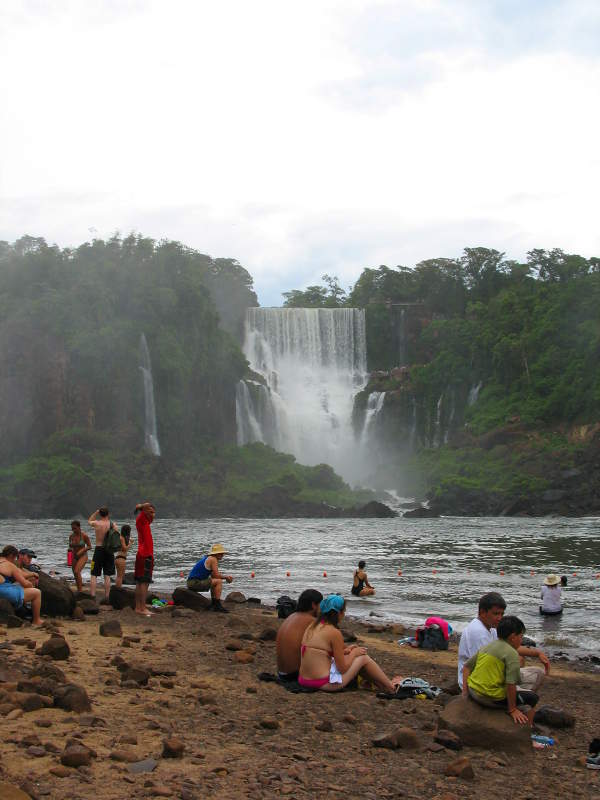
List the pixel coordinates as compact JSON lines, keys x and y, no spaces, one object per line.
{"x":482,"y":630}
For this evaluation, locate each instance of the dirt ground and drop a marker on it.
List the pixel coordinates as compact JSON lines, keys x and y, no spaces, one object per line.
{"x":244,"y":738}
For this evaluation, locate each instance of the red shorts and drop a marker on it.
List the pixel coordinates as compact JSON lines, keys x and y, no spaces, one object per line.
{"x":143,"y":568}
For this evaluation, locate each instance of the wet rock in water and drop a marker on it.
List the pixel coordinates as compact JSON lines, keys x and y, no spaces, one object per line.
{"x":173,"y":748}
{"x":553,"y":717}
{"x":269,"y":724}
{"x":256,"y":600}
{"x":76,"y":755}
{"x":57,"y":648}
{"x":401,"y":738}
{"x":448,"y":739}
{"x":138,"y":675}
{"x":71,"y":697}
{"x":188,"y":599}
{"x":139,"y":767}
{"x":111,"y":627}
{"x":121,"y":598}
{"x":235,"y":597}
{"x":8,"y":791}
{"x":268,"y":635}
{"x":487,"y":728}
{"x":243,"y":657}
{"x":421,"y":513}
{"x":57,"y":598}
{"x":461,"y":768}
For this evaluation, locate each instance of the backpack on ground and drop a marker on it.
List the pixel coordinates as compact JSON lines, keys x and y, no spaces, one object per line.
{"x":431,"y":638}
{"x":285,"y":606}
{"x":112,"y":540}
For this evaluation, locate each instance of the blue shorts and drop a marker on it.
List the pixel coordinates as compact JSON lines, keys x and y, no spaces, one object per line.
{"x":13,"y":592}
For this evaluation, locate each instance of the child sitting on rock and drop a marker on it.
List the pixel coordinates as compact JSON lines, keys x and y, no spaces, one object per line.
{"x":491,"y":676}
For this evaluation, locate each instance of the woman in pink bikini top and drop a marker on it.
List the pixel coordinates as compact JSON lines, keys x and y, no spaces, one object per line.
{"x":326,"y":663}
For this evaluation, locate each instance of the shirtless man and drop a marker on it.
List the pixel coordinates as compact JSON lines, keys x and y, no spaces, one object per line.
{"x":205,"y":577}
{"x":102,"y":560}
{"x":15,"y":587}
{"x":289,"y":636}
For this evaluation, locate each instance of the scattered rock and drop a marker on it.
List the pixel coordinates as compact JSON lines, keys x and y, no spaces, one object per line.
{"x":268,"y":635}
{"x":243,"y":657}
{"x":553,"y":717}
{"x":138,"y":767}
{"x":71,"y":697}
{"x":60,"y":771}
{"x":173,"y":748}
{"x":76,"y":755}
{"x":8,"y":791}
{"x":235,"y":644}
{"x":139,"y":675}
{"x":448,"y":739}
{"x":111,"y":627}
{"x":269,"y":723}
{"x":126,"y":756}
{"x":401,"y":738}
{"x":325,"y":726}
{"x":57,"y":648}
{"x":88,"y":606}
{"x":49,"y":671}
{"x":36,"y":752}
{"x":121,"y":598}
{"x":487,"y":728}
{"x":235,"y":597}
{"x":350,"y":719}
{"x":461,"y":768}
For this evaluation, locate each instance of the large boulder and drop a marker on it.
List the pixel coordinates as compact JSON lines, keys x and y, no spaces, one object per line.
{"x":487,"y":728}
{"x":189,"y":599}
{"x":8,"y":616}
{"x":71,"y":697}
{"x":121,"y":598}
{"x":374,"y":509}
{"x":57,"y":598}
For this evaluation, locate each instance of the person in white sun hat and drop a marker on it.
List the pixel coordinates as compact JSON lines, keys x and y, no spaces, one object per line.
{"x":551,"y":596}
{"x":205,"y":577}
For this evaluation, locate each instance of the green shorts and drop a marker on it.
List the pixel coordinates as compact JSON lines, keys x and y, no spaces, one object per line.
{"x":197,"y":585}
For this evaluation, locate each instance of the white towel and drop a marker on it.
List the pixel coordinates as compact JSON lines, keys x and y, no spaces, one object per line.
{"x":335,"y":676}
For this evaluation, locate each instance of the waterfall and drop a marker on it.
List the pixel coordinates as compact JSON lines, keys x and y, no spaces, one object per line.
{"x":438,"y":422}
{"x":412,"y":439}
{"x":402,"y":338}
{"x":313,"y":361}
{"x":150,"y":435}
{"x":375,"y":403}
{"x":474,"y":394}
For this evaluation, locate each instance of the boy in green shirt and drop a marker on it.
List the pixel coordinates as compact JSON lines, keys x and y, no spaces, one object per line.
{"x":491,"y":676}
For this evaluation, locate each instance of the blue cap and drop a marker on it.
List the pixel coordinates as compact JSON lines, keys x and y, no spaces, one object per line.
{"x":333,"y":602}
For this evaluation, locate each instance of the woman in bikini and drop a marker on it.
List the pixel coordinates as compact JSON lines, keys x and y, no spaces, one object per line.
{"x":360,"y":584}
{"x":326,"y":663}
{"x":79,"y":544}
{"x":15,"y":587}
{"x":121,"y":557}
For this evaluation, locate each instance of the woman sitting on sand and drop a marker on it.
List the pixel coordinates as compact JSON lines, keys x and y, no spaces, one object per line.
{"x":326,"y":663}
{"x":79,"y":544}
{"x":551,"y":596}
{"x":360,"y":584}
{"x":121,"y":557}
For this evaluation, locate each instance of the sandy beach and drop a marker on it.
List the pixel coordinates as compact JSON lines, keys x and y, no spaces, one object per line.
{"x":238,"y":737}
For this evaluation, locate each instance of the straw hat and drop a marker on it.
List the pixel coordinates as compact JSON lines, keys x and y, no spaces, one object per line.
{"x":216,"y":550}
{"x":551,"y":580}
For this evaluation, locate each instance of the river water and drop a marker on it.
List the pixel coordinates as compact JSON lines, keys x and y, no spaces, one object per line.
{"x":446,"y":564}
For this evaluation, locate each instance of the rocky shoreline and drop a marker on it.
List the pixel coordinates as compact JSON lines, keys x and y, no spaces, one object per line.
{"x":108,"y":702}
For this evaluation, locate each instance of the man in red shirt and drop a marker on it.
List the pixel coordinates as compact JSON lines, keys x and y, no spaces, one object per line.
{"x":144,"y":559}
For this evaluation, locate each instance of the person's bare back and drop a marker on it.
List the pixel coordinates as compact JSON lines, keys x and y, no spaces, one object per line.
{"x":289,"y":641}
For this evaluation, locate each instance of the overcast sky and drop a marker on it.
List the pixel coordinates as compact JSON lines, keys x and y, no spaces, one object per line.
{"x":303,"y":137}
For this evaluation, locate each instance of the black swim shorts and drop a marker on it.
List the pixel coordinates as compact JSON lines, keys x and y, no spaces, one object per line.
{"x":102,"y":562}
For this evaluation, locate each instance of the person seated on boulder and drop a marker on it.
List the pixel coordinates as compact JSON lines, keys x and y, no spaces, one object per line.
{"x":79,"y":545}
{"x":325,"y":662}
{"x":27,"y":568}
{"x":205,"y":577}
{"x":491,"y":676}
{"x":15,"y":587}
{"x":291,"y":631}
{"x":482,"y":630}
{"x":360,"y":584}
{"x":551,"y":596}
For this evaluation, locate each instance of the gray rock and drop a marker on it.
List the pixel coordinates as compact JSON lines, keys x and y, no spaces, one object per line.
{"x":71,"y":697}
{"x":235,"y":597}
{"x":120,"y":598}
{"x":553,"y":717}
{"x":188,"y":599}
{"x":57,"y":598}
{"x":401,"y":738}
{"x":57,"y":648}
{"x":138,"y":767}
{"x":487,"y":728}
{"x":112,"y":627}
{"x":448,"y":739}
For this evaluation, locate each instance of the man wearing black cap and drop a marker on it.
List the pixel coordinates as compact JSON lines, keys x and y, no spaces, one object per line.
{"x":27,"y":568}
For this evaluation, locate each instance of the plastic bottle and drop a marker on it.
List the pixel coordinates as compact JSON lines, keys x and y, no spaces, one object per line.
{"x":545,"y":740}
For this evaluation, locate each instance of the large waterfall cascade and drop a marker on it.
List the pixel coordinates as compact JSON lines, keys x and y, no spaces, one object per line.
{"x":313,"y":362}
{"x":150,"y":434}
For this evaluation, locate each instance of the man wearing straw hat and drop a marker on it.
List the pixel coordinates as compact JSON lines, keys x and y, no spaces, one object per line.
{"x":205,"y":577}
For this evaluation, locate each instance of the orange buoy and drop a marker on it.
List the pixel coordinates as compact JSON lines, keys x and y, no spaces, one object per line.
{"x":501,"y":572}
{"x":287,"y":574}
{"x":324,"y":574}
{"x":433,"y":571}
{"x":399,"y":572}
{"x":598,"y":575}
{"x":574,"y":574}
{"x":251,"y":574}
{"x":532,"y":572}
{"x":181,"y":574}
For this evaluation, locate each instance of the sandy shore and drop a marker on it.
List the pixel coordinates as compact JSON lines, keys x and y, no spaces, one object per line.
{"x":244,"y":738}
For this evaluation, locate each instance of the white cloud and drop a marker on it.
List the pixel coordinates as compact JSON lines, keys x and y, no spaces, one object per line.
{"x":303,"y":138}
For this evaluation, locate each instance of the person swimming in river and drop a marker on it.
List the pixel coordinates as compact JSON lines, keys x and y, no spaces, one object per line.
{"x":360,"y":584}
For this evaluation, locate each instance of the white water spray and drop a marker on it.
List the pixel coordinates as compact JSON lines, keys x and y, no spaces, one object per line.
{"x":313,"y":361}
{"x":150,"y":434}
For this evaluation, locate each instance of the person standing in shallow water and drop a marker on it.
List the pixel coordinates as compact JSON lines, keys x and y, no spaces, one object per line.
{"x":360,"y":584}
{"x":144,"y":559}
{"x":79,"y":544}
{"x":103,"y":561}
